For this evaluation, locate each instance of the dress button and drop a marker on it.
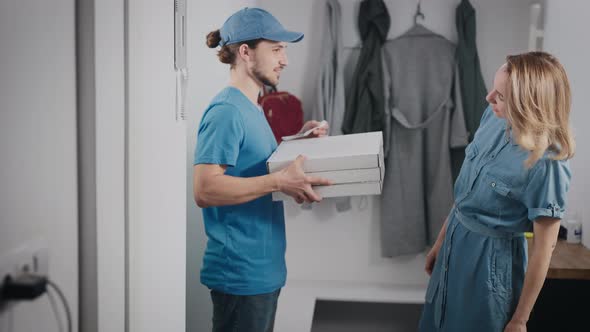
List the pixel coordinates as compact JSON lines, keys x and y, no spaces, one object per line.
{"x":493,"y":184}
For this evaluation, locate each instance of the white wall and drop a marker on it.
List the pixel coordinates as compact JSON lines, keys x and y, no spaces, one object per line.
{"x":324,"y":244}
{"x":207,"y":77}
{"x":565,"y":30}
{"x":156,"y":173}
{"x":38,"y":186}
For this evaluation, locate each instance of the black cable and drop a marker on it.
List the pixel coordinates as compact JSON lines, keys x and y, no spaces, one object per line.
{"x":56,"y":312}
{"x":27,"y":286}
{"x":64,"y":301}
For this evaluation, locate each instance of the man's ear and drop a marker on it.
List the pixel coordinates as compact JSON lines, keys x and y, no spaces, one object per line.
{"x":244,"y":52}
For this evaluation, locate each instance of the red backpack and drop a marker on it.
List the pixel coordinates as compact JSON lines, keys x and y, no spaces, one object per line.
{"x":283,"y":112}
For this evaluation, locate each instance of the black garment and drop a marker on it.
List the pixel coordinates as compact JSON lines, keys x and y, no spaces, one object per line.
{"x":365,"y":104}
{"x":473,"y":88}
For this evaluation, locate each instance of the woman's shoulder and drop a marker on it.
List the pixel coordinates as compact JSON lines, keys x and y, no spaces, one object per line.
{"x":547,"y":167}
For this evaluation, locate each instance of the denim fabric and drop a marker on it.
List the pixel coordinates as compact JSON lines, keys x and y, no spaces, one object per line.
{"x":244,"y":313}
{"x":479,"y":272}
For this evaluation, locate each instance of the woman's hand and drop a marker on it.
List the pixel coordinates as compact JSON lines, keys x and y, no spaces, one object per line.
{"x":515,"y":326}
{"x":431,"y":258}
{"x":546,"y":230}
{"x":433,"y":253}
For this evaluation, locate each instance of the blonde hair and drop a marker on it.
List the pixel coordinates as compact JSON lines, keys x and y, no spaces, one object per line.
{"x":538,"y":103}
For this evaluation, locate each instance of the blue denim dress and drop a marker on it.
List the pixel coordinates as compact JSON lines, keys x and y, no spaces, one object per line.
{"x":479,"y":272}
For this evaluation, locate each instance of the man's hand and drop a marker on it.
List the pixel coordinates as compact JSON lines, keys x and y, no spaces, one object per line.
{"x":323,"y":131}
{"x":293,"y":182}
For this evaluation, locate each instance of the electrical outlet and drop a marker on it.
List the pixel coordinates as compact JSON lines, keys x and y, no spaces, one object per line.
{"x":32,"y":257}
{"x":40,"y":257}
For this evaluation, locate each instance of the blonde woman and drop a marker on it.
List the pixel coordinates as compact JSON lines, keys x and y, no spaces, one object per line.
{"x":514,"y":179}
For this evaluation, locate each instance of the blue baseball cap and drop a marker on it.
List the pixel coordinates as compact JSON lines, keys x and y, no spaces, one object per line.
{"x":255,"y":23}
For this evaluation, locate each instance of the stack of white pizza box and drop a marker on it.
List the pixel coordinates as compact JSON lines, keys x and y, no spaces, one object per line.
{"x":354,"y":163}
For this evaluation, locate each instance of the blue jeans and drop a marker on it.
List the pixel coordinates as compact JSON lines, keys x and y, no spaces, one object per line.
{"x":244,"y":313}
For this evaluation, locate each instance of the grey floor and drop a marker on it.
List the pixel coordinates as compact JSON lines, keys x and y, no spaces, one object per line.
{"x":332,"y":316}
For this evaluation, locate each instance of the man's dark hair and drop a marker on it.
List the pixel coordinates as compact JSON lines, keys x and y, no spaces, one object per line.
{"x":227,"y":53}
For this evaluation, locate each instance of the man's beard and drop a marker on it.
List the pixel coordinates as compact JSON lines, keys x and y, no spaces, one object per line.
{"x":264,"y":78}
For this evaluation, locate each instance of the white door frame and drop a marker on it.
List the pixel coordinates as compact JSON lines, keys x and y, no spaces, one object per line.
{"x":101,"y":90}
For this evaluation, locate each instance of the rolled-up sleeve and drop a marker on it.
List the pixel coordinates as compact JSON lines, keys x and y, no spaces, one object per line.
{"x":546,"y":191}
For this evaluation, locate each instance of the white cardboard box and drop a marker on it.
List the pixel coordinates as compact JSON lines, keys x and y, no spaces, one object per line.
{"x":350,"y":175}
{"x":354,"y":163}
{"x":331,"y":153}
{"x":339,"y":190}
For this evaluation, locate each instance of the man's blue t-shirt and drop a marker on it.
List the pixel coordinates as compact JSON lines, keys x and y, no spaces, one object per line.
{"x":245,"y":252}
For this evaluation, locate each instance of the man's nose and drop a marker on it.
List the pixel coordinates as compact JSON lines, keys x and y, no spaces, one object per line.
{"x":284,"y":61}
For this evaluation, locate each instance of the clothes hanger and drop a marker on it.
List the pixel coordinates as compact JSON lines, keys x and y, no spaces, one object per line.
{"x":418,"y":13}
{"x":419,"y":28}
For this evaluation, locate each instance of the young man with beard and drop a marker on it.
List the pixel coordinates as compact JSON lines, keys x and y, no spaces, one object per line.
{"x":244,"y":262}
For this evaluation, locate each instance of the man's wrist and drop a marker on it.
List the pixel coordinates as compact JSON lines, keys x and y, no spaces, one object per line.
{"x":275,"y":181}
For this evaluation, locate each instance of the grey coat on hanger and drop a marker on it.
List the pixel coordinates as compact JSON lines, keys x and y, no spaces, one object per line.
{"x":424,"y":120}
